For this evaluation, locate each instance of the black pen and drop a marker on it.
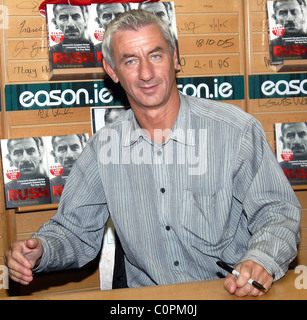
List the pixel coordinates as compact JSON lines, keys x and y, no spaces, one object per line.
{"x":235,"y":272}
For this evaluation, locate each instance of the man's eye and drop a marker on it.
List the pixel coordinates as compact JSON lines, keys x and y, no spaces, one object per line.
{"x":107,"y":16}
{"x":290,"y":135}
{"x":18,"y":153}
{"x":63,"y":18}
{"x":130,"y":62}
{"x":62,"y":149}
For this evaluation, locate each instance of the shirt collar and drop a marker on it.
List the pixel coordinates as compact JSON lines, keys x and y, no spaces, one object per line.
{"x":181,"y":131}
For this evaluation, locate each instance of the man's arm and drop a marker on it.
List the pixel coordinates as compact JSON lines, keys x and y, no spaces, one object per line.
{"x":271,"y":208}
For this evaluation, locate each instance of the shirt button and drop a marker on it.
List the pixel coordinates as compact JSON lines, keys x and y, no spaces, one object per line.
{"x":176,"y":263}
{"x":162,"y":190}
{"x":159,"y":153}
{"x":168,"y":228}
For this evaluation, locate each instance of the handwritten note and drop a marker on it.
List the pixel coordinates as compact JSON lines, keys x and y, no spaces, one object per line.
{"x":28,"y":71}
{"x":27,"y":27}
{"x":198,"y":24}
{"x":214,"y":64}
{"x":23,"y":7}
{"x":27,"y":49}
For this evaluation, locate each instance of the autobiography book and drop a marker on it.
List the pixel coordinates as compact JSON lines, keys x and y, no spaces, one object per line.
{"x":26,"y":181}
{"x":35,"y":169}
{"x":62,"y":152}
{"x":287,"y":40}
{"x":69,"y":41}
{"x":291,"y":150}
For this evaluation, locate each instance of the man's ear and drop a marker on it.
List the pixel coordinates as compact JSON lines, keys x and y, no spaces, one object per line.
{"x":175,"y":59}
{"x":109,"y":70}
{"x":8,"y":157}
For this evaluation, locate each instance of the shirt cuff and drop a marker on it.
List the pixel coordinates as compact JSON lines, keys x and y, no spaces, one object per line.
{"x":44,"y":260}
{"x":266,"y":262}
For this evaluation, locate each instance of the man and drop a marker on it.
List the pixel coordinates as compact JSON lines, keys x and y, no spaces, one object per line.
{"x":66,"y":150}
{"x":76,"y":47}
{"x":181,"y":197}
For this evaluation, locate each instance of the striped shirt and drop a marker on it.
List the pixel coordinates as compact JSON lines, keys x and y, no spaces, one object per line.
{"x":212,"y":190}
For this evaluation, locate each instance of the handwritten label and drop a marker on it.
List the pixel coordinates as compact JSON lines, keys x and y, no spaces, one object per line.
{"x":197,"y":24}
{"x":31,"y":27}
{"x":203,"y":64}
{"x":28,"y":71}
{"x":283,"y":104}
{"x":208,"y":44}
{"x":27,"y":49}
{"x":47,"y":113}
{"x":23,"y":7}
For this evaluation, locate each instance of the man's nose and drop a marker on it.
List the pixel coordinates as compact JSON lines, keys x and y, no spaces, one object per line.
{"x":69,"y":153}
{"x":25,"y":157}
{"x":297,"y":139}
{"x":146,"y":70}
{"x":70,"y":22}
{"x":290,"y":17}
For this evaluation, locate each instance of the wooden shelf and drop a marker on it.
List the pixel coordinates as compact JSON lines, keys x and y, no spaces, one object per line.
{"x":76,"y":74}
{"x":292,"y":65}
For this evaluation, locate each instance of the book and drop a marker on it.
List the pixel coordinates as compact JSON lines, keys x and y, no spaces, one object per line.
{"x":69,"y":41}
{"x":26,"y":181}
{"x":35,"y":169}
{"x":287,"y":31}
{"x":62,"y":152}
{"x":291,"y":150}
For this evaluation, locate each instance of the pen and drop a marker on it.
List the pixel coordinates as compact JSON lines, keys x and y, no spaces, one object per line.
{"x":236,"y":273}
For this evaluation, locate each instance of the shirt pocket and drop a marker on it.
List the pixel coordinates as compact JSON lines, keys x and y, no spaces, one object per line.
{"x":206,"y":218}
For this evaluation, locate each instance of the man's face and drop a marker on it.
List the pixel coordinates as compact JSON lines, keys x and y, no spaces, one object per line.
{"x":25,"y":155}
{"x":144,"y":66}
{"x":290,"y":16}
{"x":106,"y":13}
{"x":158,"y":9}
{"x":71,"y":22}
{"x":67,"y":150}
{"x":295,"y":139}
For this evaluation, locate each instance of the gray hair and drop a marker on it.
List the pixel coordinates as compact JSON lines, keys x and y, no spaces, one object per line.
{"x":133,"y":20}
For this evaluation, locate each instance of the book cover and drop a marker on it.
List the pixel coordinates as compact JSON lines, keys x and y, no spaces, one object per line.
{"x":287,"y":30}
{"x":291,"y":150}
{"x":26,"y":181}
{"x":69,"y":41}
{"x":62,"y":152}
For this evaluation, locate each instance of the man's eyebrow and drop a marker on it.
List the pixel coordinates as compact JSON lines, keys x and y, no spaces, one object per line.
{"x":132,"y":55}
{"x":156,"y":49}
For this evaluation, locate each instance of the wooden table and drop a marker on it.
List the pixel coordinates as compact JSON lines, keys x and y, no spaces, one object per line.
{"x":284,"y":289}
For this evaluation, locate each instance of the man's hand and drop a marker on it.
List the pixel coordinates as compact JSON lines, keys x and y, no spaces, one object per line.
{"x":240,"y":286}
{"x":22,"y":257}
